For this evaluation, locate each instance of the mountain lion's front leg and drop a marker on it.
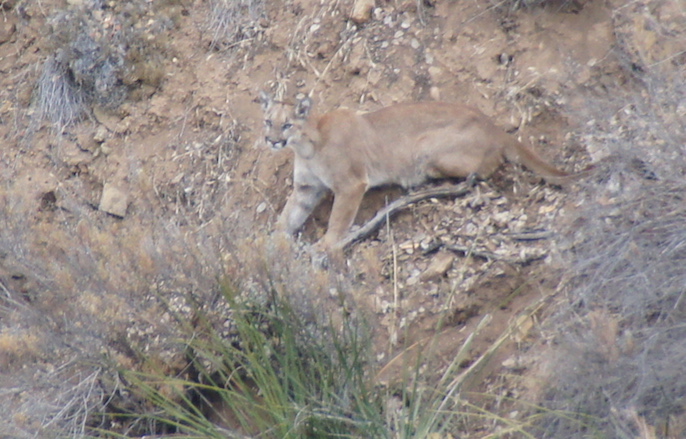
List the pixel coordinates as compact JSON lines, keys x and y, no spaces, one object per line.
{"x":345,"y":206}
{"x":299,"y":206}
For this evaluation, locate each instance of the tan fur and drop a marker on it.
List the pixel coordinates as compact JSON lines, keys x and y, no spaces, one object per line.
{"x":403,"y":144}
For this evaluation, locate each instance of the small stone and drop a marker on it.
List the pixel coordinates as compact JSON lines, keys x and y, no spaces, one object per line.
{"x":261,"y":207}
{"x":408,"y":247}
{"x":510,"y":363}
{"x":439,"y":265}
{"x":105,"y":149}
{"x":85,"y":140}
{"x":114,"y":201}
{"x":100,"y":134}
{"x":435,"y":93}
{"x":109,"y":119}
{"x":429,"y":58}
{"x":362,"y":11}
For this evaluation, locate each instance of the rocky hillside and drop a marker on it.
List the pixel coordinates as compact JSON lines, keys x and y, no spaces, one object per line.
{"x":134,"y":182}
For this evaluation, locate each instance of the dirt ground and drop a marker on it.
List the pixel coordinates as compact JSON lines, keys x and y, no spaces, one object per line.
{"x":186,"y":150}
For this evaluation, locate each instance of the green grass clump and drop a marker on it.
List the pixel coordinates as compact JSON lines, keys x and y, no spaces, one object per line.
{"x":273,"y":373}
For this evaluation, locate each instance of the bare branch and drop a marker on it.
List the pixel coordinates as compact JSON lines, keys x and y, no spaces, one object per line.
{"x":401,"y":203}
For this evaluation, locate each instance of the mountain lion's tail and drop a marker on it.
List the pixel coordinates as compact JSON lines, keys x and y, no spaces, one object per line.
{"x":520,"y":153}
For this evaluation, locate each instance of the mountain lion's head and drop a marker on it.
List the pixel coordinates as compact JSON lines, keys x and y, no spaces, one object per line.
{"x":283,"y":123}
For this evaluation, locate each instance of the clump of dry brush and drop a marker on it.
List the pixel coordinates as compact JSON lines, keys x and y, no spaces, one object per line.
{"x":100,"y":51}
{"x":621,"y":339}
{"x":234,"y":21}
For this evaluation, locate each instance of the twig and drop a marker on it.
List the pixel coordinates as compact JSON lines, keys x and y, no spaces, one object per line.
{"x":4,"y":288}
{"x":390,"y":210}
{"x":472,"y":251}
{"x":394,"y":314}
{"x":490,"y":256}
{"x":531,"y":235}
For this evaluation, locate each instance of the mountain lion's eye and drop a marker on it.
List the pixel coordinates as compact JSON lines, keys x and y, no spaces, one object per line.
{"x":287,"y":126}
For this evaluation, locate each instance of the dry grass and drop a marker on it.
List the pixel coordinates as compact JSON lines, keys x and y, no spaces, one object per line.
{"x":98,"y":55}
{"x":624,"y":345}
{"x":58,"y":98}
{"x":87,"y":301}
{"x":233,"y":22}
{"x":84,"y":296}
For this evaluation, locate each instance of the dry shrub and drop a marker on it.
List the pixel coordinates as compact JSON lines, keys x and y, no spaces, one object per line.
{"x":622,"y":342}
{"x":234,"y":21}
{"x":59,"y":98}
{"x":100,"y":52}
{"x":84,"y":294}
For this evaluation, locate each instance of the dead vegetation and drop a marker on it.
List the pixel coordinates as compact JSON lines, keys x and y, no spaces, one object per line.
{"x":620,"y":360}
{"x":235,"y":22}
{"x":100,"y":53}
{"x":127,"y":326}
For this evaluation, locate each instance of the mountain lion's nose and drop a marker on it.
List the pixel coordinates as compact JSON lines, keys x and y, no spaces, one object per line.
{"x":275,"y":144}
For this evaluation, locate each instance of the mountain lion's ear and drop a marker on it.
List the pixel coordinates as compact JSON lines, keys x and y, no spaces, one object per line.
{"x":265,"y":100}
{"x":302,"y":108}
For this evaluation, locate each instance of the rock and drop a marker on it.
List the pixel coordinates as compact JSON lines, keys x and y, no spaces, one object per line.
{"x":106,"y":148}
{"x":362,"y":11}
{"x":85,"y":140}
{"x":7,"y":27}
{"x":109,"y":119}
{"x":100,"y":134}
{"x":73,"y":155}
{"x":114,"y":201}
{"x":357,"y":60}
{"x":439,"y":265}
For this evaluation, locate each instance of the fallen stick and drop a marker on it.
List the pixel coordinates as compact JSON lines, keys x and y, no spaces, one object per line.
{"x":470,"y":251}
{"x":373,"y":224}
{"x":490,"y":256}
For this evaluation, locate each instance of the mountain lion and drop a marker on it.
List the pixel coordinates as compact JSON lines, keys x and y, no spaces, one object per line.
{"x":404,"y":144}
